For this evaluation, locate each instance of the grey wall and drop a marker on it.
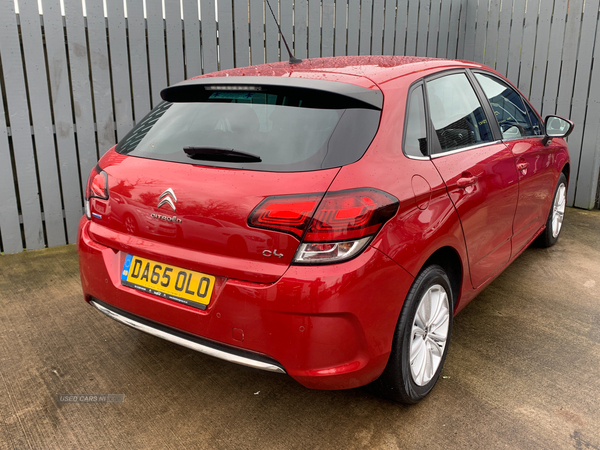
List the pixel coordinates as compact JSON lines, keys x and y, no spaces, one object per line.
{"x":72,"y":85}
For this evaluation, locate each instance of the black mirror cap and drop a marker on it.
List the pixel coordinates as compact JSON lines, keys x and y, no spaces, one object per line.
{"x":556,"y":126}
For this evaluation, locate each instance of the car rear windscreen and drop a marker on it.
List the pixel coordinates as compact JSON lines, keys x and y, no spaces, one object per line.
{"x":287,"y":129}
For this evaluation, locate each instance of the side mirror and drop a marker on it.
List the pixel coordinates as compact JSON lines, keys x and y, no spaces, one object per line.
{"x":556,"y":127}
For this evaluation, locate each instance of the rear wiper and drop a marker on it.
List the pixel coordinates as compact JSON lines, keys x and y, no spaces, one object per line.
{"x":220,"y":154}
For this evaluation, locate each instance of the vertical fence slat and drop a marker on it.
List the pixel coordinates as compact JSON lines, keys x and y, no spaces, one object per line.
{"x":462,"y":33}
{"x":328,"y":27}
{"x":272,"y":33}
{"x":366,"y":15}
{"x":401,"y":28}
{"x":257,"y":34}
{"x":389,"y":27}
{"x":582,"y":164}
{"x":516,"y":35}
{"x":454,"y":27}
{"x":156,"y":49}
{"x":434,"y":28}
{"x":138,"y":59}
{"x":119,"y":61}
{"x":541,"y":56}
{"x":353,"y":26}
{"x":300,"y":28}
{"x":41,"y":115}
{"x":340,"y":28}
{"x":412,"y":28}
{"x":586,"y":178}
{"x":287,"y":28}
{"x":10,"y":230}
{"x":240,"y":18}
{"x":80,"y":85}
{"x":423,"y":27}
{"x":226,"y":47}
{"x":16,"y":99}
{"x":378,"y":26}
{"x":100,"y":75}
{"x":63,"y":117}
{"x":444,"y":35}
{"x":191,"y":37}
{"x":557,"y":35}
{"x":209,"y":36}
{"x":491,"y":37}
{"x":481,"y":29}
{"x":589,"y":165}
{"x":569,"y":59}
{"x":470,"y":31}
{"x":528,"y":46}
{"x":174,"y":40}
{"x":314,"y":28}
{"x":567,"y":79}
{"x":504,"y":37}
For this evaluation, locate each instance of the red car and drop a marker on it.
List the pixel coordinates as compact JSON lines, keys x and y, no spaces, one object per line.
{"x":325,"y":219}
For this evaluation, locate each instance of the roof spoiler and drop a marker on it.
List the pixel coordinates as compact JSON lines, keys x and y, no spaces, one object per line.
{"x":180,"y":92}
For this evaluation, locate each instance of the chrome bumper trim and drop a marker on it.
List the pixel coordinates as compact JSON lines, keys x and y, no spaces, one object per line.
{"x":244,"y":361}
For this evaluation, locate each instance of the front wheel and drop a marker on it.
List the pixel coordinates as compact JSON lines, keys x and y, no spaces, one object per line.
{"x":557,"y":213}
{"x":421,"y":339}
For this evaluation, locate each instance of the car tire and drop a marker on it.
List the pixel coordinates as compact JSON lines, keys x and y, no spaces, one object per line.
{"x":420,"y":341}
{"x":555,"y":217}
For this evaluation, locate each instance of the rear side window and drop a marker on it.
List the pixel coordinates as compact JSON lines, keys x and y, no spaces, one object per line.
{"x":508,"y":107}
{"x":289,"y":129}
{"x":456,"y":114}
{"x":415,"y":131}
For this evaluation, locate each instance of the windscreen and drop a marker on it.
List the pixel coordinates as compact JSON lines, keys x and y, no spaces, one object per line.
{"x":287,"y":129}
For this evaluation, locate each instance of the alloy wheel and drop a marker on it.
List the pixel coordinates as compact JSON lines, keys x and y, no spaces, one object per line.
{"x":558,"y":211}
{"x":429,"y":334}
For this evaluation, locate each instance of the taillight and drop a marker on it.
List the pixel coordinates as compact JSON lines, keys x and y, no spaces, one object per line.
{"x":350,"y":215}
{"x":97,"y":186}
{"x":290,"y":213}
{"x":341,"y":227}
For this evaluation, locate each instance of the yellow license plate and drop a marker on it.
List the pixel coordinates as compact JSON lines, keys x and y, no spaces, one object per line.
{"x":181,"y":285}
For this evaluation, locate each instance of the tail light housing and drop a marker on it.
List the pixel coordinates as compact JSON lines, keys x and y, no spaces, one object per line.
{"x":330,"y":230}
{"x":97,"y":187}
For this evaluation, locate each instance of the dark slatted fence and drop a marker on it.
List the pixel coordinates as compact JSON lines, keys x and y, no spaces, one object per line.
{"x":76,"y":76}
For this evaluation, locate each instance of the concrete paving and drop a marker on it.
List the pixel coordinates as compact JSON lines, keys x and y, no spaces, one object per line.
{"x":523,"y":371}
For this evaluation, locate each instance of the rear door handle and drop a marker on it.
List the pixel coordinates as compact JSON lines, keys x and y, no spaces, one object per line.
{"x":466,"y":181}
{"x":522,"y":165}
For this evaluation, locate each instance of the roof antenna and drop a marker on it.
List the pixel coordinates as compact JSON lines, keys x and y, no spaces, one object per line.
{"x":293,"y":59}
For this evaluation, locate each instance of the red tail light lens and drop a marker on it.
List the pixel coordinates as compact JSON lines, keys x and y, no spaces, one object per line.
{"x":351,"y":215}
{"x":97,"y":186}
{"x":339,"y":229}
{"x":289,"y":214}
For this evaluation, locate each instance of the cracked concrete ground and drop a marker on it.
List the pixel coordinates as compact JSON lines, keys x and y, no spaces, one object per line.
{"x":523,"y":371}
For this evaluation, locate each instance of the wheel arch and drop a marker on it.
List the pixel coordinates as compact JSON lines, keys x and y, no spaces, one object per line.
{"x":567,"y":171}
{"x":449,"y":260}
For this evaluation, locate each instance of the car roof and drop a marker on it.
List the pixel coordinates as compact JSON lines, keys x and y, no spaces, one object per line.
{"x":348,"y":69}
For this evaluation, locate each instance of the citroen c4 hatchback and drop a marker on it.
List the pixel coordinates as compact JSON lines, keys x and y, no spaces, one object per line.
{"x":325,"y":219}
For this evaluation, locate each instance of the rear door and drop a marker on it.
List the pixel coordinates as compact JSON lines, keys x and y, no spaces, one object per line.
{"x":478,"y":170}
{"x":522,"y":132}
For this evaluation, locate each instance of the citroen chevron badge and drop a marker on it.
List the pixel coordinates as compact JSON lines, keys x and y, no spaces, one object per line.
{"x":167,"y":198}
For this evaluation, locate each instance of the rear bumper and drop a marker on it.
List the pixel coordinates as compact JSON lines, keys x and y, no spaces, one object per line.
{"x":329,"y":327}
{"x":207,"y":347}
